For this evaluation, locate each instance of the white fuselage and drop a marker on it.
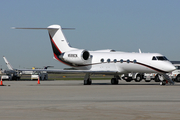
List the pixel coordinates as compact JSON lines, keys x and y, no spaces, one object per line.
{"x":124,"y":62}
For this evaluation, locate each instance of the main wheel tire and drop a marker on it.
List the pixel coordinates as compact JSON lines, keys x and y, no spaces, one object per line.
{"x":114,"y":81}
{"x":88,"y":82}
{"x":85,"y":82}
{"x":117,"y":81}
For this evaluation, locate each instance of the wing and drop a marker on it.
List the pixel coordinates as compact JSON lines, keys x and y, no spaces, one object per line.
{"x":71,"y":71}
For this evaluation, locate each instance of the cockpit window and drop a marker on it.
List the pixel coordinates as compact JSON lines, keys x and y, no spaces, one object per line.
{"x":161,"y":58}
{"x":154,"y":58}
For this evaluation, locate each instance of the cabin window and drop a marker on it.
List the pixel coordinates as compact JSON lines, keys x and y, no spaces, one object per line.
{"x":115,"y":60}
{"x":154,"y":58}
{"x":134,"y":61}
{"x":121,"y":61}
{"x":102,"y":60}
{"x":108,"y":60}
{"x":128,"y":61}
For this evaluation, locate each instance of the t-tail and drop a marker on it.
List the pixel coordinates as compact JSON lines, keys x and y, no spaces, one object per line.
{"x":58,"y":40}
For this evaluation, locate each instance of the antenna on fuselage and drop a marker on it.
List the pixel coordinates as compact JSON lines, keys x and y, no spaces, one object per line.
{"x":139,"y":50}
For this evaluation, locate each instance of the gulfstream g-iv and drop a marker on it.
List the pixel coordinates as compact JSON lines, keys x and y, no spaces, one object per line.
{"x":103,"y":61}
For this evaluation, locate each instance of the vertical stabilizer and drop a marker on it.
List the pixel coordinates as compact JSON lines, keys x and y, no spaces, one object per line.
{"x":8,"y":64}
{"x":58,"y":40}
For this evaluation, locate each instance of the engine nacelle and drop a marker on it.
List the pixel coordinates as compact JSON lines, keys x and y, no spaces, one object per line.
{"x":76,"y":56}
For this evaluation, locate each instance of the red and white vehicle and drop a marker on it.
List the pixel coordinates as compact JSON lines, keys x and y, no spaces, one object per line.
{"x":175,"y":75}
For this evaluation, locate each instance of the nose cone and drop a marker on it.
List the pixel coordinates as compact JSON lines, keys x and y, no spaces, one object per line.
{"x":170,"y":67}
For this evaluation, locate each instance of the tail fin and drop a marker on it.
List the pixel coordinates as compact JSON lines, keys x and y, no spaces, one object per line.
{"x":8,"y":64}
{"x":58,"y":41}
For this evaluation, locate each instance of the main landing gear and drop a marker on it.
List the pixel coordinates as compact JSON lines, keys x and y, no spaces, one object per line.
{"x":88,"y":81}
{"x":115,"y":80}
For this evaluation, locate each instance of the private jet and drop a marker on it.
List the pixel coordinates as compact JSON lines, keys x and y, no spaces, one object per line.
{"x":106,"y":61}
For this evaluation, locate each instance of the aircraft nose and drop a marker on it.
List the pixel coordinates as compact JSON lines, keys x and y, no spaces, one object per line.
{"x":170,"y":68}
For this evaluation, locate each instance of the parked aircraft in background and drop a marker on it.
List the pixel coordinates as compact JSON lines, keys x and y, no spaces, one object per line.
{"x":15,"y":74}
{"x":11,"y":73}
{"x":104,"y":61}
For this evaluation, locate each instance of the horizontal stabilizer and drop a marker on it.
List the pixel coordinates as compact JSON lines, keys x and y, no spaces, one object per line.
{"x":43,"y":28}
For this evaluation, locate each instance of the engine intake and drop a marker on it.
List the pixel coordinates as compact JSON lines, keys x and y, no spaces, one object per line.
{"x":85,"y":55}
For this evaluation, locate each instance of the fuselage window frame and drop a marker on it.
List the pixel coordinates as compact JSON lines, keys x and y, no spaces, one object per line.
{"x":121,"y":61}
{"x":134,"y":61}
{"x":102,"y":60}
{"x":128,"y":61}
{"x":108,"y":60}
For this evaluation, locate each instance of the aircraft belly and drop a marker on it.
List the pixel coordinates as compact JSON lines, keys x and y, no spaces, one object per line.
{"x":104,"y":66}
{"x":129,"y":67}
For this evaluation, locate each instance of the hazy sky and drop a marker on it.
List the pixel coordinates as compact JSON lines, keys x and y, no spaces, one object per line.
{"x":125,"y":25}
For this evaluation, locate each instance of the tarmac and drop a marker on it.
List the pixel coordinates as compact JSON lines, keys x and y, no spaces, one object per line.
{"x":71,"y":100}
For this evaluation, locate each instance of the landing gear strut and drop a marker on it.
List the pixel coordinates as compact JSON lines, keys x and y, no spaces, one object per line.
{"x":87,"y":79}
